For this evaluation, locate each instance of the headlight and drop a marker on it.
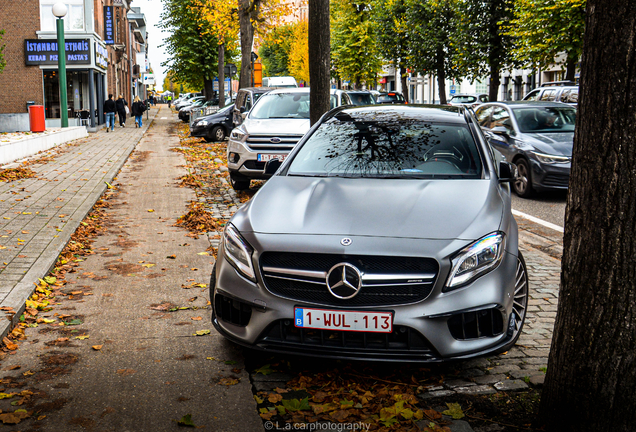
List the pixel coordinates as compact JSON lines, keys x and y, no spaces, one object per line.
{"x":551,"y":159}
{"x":238,"y":136}
{"x":202,"y":123}
{"x":476,"y":259}
{"x":238,"y":252}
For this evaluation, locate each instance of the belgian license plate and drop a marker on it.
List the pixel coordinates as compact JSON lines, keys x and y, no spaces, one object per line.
{"x":364,"y":321}
{"x":267,"y":157}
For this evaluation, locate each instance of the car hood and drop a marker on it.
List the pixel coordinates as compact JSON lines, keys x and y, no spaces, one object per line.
{"x":424,"y":209}
{"x":276,"y":126}
{"x":559,"y":144}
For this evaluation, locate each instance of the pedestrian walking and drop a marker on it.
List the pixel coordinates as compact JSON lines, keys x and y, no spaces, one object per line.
{"x":138,"y":109}
{"x":109,"y":109}
{"x":122,"y":110}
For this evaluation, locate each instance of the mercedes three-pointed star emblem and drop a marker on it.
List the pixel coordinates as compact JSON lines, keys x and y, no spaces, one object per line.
{"x":344,"y":281}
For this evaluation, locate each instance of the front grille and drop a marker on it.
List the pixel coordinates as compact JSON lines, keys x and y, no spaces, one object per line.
{"x":402,"y":343}
{"x":264,"y":143}
{"x":254,"y":165}
{"x":476,"y":324}
{"x":386,"y":281}
{"x":556,"y":180}
{"x":232,"y":311}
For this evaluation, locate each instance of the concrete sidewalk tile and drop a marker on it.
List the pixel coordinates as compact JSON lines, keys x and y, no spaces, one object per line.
{"x":69,"y":185}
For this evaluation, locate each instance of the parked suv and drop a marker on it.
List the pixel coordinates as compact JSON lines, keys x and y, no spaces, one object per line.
{"x":270,"y":130}
{"x":245,"y":100}
{"x":557,"y":91}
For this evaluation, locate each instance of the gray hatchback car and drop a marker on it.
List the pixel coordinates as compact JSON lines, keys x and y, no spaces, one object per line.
{"x":387,"y":234}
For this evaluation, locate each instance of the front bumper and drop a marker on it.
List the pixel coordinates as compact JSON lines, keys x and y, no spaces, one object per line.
{"x":248,"y":164}
{"x":426,"y":331}
{"x":199,"y":131}
{"x":550,"y":176}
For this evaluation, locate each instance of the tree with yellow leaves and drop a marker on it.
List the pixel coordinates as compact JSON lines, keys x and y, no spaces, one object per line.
{"x":299,"y":53}
{"x":223,"y":22}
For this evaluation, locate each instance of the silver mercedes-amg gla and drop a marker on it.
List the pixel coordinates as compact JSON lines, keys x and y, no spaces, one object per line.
{"x":387,"y":234}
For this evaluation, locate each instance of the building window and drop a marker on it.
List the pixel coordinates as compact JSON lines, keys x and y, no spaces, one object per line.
{"x":481,"y":87}
{"x":73,"y":21}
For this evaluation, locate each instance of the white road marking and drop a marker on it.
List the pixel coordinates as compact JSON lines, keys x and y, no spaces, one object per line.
{"x":163,"y":118}
{"x":537,"y":220}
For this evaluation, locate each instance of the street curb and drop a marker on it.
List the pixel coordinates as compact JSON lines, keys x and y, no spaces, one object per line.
{"x":45,"y":263}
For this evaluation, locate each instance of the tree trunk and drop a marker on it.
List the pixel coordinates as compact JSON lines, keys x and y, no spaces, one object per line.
{"x":248,"y":9}
{"x":405,"y":87}
{"x":441,"y":76}
{"x":493,"y":90}
{"x":319,"y":58}
{"x":221,"y":75}
{"x":591,"y":374}
{"x":208,"y":88}
{"x":570,"y":70}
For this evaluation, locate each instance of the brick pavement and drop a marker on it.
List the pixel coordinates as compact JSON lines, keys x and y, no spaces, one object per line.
{"x":39,"y":215}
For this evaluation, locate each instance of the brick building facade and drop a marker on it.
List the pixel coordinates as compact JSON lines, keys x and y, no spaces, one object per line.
{"x":20,"y":20}
{"x":101,"y":58}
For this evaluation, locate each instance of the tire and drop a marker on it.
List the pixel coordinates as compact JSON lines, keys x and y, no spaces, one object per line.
{"x":239,"y":182}
{"x":522,"y":183}
{"x":520,"y":300}
{"x":217,"y":134}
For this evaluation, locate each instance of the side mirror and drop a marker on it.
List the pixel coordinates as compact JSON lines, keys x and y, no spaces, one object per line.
{"x":242,"y":109}
{"x":272,"y":166}
{"x":506,"y":172}
{"x":500,"y":130}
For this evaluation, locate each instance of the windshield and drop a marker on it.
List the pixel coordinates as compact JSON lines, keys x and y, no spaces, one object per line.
{"x":463,"y":99}
{"x":361,"y":98}
{"x":545,"y":119}
{"x":282,"y":105}
{"x":389,"y":144}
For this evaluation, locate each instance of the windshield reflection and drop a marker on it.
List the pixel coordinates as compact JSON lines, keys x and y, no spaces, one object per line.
{"x":377,"y":144}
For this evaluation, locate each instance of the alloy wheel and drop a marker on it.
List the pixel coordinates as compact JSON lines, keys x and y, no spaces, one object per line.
{"x":520,"y":299}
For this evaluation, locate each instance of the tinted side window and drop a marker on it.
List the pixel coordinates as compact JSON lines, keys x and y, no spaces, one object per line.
{"x":548,"y":95}
{"x":533,"y":95}
{"x":483,"y":98}
{"x":483,"y":116}
{"x":570,"y":96}
{"x":248,"y":102}
{"x":501,"y":117}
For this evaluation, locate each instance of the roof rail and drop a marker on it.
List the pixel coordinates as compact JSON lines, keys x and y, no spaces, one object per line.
{"x":558,"y":83}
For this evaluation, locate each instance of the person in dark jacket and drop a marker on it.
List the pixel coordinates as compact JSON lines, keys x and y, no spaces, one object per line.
{"x":138,"y":109}
{"x":121,"y":110}
{"x":109,"y":109}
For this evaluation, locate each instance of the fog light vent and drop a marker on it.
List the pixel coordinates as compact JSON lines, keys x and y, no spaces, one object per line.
{"x":476,"y":324}
{"x":232,"y":311}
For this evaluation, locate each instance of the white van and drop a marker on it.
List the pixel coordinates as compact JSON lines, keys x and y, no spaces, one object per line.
{"x":280,"y":82}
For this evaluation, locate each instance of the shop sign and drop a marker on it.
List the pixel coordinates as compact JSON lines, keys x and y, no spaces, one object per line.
{"x":109,"y":26}
{"x":149,"y":79}
{"x":44,"y":52}
{"x":101,"y":56}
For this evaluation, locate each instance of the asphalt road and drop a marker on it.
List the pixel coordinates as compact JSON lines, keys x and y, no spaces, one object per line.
{"x":548,"y":206}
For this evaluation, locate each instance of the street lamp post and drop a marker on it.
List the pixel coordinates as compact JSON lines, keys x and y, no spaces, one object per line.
{"x":59,"y":10}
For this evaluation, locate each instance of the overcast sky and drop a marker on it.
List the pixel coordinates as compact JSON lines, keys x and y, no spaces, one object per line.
{"x":152,"y":9}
